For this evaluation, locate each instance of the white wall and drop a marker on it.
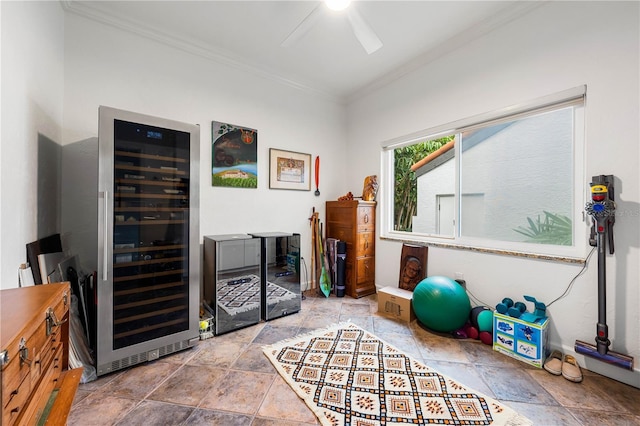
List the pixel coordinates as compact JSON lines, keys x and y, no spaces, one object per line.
{"x":32,"y":91}
{"x":106,"y":66}
{"x":534,"y":174}
{"x":54,"y":62}
{"x":558,"y":46}
{"x":429,"y":186}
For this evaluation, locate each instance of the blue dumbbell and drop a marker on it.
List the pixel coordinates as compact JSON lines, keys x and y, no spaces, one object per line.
{"x":503,"y":307}
{"x":517,"y":310}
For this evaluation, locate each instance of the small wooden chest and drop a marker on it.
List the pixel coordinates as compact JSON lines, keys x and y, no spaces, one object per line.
{"x":34,"y":354}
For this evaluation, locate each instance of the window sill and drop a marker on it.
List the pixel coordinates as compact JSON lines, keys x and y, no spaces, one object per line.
{"x":548,"y":257}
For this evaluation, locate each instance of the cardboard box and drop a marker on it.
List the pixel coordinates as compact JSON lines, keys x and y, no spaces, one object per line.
{"x":525,"y":341}
{"x":396,"y":303}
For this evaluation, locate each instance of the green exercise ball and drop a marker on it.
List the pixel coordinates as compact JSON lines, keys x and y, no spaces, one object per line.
{"x":485,"y":321}
{"x":481,"y":318}
{"x":441,"y":304}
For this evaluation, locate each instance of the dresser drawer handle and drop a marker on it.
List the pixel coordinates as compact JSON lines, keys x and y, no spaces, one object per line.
{"x":366,"y":218}
{"x":23,"y":352}
{"x":52,"y":321}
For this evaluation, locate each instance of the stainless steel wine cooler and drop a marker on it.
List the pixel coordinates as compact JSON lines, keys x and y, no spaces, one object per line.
{"x":145,"y":191}
{"x":280,"y":270}
{"x":232,"y":281}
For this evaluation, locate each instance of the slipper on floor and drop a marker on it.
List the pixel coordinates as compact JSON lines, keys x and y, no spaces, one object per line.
{"x":553,"y":364}
{"x":571,"y":370}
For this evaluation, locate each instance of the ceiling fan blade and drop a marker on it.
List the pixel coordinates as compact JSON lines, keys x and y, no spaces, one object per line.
{"x":303,"y":27}
{"x":364,"y":33}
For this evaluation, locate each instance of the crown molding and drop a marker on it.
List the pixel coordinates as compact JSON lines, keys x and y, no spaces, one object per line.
{"x":508,"y":14}
{"x":505,"y":16}
{"x":177,"y":41}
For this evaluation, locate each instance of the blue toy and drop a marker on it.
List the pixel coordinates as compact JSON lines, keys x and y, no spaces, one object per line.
{"x":539,"y":313}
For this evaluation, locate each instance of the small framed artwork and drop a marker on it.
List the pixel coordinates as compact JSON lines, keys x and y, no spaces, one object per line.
{"x":413,"y":266}
{"x":289,"y":170}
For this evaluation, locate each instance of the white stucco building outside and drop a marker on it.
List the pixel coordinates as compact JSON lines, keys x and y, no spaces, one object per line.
{"x":510,"y":172}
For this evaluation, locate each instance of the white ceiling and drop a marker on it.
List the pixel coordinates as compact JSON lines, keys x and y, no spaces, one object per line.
{"x":328,"y":60}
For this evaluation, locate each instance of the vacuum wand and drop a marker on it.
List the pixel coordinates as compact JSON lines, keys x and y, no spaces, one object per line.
{"x":602,"y":208}
{"x":602,"y":330}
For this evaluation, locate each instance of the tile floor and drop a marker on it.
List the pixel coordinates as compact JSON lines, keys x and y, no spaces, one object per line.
{"x":226,"y":380}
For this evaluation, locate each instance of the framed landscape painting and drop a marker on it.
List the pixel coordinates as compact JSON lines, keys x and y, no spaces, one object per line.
{"x":234,"y":156}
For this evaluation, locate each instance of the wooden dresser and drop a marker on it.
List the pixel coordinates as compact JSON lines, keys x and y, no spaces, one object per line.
{"x":354,"y":222}
{"x":37,"y":387}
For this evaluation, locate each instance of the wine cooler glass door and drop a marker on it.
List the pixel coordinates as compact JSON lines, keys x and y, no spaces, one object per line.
{"x":150,"y":233}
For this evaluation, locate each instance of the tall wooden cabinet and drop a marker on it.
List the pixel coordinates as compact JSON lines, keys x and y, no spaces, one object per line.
{"x":354,"y":222}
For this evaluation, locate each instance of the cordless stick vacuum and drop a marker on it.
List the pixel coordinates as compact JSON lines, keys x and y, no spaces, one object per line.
{"x":602,"y":209}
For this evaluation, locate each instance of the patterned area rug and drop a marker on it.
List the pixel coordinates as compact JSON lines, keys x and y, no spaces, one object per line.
{"x":241,"y":294}
{"x":347,"y":376}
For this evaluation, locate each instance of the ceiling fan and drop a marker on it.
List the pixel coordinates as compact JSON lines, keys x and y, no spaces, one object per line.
{"x":363,"y":32}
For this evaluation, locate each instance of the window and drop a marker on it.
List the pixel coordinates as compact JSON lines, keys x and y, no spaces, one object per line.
{"x":510,"y":180}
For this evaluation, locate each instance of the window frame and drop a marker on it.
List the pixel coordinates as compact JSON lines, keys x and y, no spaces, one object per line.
{"x":575,"y":97}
